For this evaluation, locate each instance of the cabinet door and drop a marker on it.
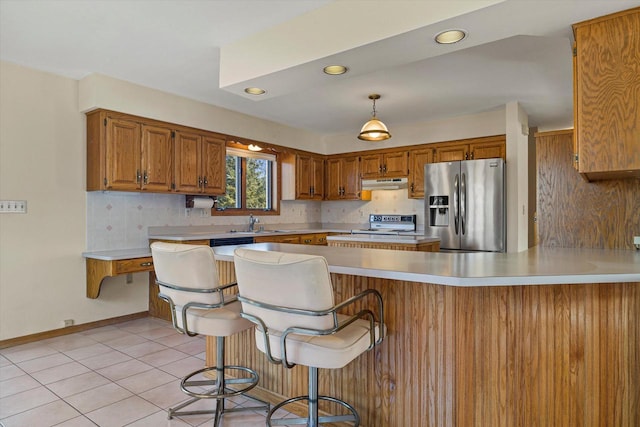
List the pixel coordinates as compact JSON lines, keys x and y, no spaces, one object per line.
{"x":418,"y":159}
{"x":156,"y":155}
{"x":350,"y":177}
{"x":487,"y":150}
{"x":371,"y":166}
{"x":213,"y":164}
{"x":187,"y":174}
{"x":334,"y":185}
{"x":317,"y":179}
{"x":608,"y":88}
{"x":395,"y":164}
{"x":451,"y":153}
{"x":304,"y":173}
{"x":123,"y":155}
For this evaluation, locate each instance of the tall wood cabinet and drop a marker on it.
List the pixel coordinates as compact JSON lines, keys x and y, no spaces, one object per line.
{"x":124,"y":154}
{"x":607,"y":96}
{"x":343,"y":178}
{"x":199,"y":163}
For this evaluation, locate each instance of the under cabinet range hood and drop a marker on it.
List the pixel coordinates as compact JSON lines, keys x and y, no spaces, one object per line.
{"x":384,"y":184}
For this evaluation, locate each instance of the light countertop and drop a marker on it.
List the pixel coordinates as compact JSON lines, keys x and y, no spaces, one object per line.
{"x":536,"y":266}
{"x":118,"y":254}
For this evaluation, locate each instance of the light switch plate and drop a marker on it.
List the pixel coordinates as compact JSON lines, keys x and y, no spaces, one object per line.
{"x":13,"y":206}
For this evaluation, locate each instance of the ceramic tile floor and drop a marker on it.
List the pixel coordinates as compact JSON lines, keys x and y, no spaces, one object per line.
{"x":121,"y":375}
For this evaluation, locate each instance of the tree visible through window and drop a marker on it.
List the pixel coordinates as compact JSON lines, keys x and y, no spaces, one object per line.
{"x":249,"y":181}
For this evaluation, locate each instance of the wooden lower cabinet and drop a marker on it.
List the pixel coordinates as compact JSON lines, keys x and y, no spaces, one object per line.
{"x":552,"y":355}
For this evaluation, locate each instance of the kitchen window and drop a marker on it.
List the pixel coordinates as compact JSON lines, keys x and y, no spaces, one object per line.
{"x":250,"y":182}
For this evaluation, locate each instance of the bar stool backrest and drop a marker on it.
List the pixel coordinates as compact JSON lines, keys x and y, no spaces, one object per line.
{"x":289,"y":281}
{"x":186,"y":266}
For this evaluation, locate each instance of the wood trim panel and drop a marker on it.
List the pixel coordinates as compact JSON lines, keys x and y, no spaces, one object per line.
{"x":574,"y":213}
{"x":565,"y":355}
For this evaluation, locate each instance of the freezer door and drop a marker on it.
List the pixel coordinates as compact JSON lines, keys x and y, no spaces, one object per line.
{"x":441,"y":184}
{"x":482,"y":205}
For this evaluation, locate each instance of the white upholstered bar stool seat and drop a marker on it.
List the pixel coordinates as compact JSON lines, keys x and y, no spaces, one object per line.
{"x":290,"y":299}
{"x":188,"y":280}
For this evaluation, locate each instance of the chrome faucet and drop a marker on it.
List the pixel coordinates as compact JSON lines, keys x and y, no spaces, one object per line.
{"x":252,"y":222}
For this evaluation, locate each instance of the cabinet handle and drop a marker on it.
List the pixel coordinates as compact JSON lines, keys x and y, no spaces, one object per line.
{"x":311,"y":190}
{"x":206,"y":181}
{"x":199,"y":181}
{"x":146,"y":264}
{"x":384,"y":169}
{"x":412,"y":187}
{"x":380,"y":169}
{"x":138,"y":176}
{"x":146,"y":177}
{"x":307,"y":240}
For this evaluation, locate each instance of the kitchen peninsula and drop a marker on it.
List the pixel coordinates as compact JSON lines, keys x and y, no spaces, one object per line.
{"x":548,"y":336}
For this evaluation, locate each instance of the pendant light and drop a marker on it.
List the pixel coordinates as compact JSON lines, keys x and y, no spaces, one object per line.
{"x":374,"y":129}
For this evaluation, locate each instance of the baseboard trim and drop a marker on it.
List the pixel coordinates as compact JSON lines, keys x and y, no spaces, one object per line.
{"x":70,"y":330}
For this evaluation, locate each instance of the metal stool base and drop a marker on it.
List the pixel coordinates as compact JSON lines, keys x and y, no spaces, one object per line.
{"x":219,"y":390}
{"x":309,"y":420}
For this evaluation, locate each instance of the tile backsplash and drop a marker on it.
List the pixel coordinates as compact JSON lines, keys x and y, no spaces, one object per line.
{"x":118,"y":220}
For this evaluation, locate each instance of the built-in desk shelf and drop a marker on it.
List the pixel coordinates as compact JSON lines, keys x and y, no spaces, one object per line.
{"x":114,"y":263}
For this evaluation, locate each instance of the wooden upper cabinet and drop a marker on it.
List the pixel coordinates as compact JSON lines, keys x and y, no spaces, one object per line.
{"x":214,"y":154}
{"x":125,"y":155}
{"x":451,"y":152}
{"x":607,"y":101}
{"x":122,"y":155}
{"x":343,"y":178}
{"x":309,"y":174}
{"x":471,"y":149}
{"x":378,"y":165}
{"x":417,"y":160}
{"x":199,"y":163}
{"x":156,"y":158}
{"x":488,"y":150}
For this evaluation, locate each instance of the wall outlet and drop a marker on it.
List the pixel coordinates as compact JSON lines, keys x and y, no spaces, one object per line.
{"x":67,"y":323}
{"x":13,"y":206}
{"x":636,"y":242}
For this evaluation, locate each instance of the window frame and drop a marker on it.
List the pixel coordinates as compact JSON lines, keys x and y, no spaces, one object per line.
{"x":274,"y":184}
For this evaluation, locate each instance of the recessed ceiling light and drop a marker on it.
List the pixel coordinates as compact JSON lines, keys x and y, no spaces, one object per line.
{"x":254,"y":91}
{"x":450,"y":36}
{"x":335,"y":70}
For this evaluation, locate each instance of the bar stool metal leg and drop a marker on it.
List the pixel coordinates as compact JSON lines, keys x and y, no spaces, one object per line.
{"x":313,"y":419}
{"x":219,"y":388}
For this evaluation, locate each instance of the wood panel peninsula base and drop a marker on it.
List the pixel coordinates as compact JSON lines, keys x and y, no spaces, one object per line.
{"x":512,"y":355}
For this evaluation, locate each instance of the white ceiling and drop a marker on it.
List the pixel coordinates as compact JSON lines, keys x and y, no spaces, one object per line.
{"x":517,"y":50}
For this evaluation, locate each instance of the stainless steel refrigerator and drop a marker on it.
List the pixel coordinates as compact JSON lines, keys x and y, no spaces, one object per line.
{"x":465,"y":204}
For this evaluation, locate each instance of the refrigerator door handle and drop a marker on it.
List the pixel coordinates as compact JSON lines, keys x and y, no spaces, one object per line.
{"x":463,"y":204}
{"x":456,"y":205}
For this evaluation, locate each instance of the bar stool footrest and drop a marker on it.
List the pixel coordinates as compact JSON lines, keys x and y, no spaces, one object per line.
{"x":352,"y":417}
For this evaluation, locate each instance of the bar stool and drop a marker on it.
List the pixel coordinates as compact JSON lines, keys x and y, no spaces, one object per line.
{"x":188,"y":279}
{"x":290,"y":299}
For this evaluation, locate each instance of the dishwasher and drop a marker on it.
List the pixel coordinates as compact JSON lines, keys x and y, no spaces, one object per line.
{"x":225,"y":241}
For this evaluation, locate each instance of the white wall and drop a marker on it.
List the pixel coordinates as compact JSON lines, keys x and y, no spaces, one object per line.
{"x":42,"y":161}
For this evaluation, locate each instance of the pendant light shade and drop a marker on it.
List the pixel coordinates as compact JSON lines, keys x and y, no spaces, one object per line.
{"x":374,"y":129}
